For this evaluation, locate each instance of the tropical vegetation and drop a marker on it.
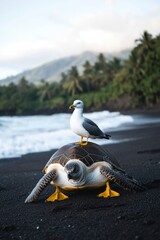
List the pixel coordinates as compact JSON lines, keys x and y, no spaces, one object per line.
{"x":115,"y":84}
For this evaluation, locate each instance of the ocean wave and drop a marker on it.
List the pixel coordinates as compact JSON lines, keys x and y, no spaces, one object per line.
{"x":21,"y":135}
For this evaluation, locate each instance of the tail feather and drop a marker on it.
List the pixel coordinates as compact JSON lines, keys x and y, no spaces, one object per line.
{"x":106,"y":136}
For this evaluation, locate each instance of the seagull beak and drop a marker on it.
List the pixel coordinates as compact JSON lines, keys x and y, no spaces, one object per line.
{"x":71,"y":106}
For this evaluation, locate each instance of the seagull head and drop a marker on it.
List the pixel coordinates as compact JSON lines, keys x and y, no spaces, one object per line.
{"x":77,"y":104}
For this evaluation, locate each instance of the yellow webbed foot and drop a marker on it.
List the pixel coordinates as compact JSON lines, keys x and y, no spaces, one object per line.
{"x":108,"y":192}
{"x":58,"y":195}
{"x":82,"y":143}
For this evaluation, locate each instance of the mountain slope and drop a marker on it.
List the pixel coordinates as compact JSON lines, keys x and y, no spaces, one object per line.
{"x":51,"y":71}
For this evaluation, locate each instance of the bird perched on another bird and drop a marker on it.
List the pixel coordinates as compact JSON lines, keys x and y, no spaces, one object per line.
{"x":82,"y":126}
{"x":76,"y":167}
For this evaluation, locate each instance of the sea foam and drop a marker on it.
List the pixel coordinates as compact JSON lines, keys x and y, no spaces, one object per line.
{"x":21,"y":135}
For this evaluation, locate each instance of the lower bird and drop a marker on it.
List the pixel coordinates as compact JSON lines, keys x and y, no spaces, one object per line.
{"x":74,"y":167}
{"x":82,"y":126}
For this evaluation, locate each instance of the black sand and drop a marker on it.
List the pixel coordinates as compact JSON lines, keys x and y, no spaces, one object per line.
{"x":83,"y":215}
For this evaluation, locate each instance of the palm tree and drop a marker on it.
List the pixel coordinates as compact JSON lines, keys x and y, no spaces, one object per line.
{"x":45,"y":92}
{"x":100,"y":65}
{"x":115,"y":64}
{"x":63,"y":77}
{"x":88,"y":76}
{"x":103,"y":72}
{"x":145,"y":45}
{"x":145,"y":40}
{"x":23,"y":85}
{"x":73,"y":83}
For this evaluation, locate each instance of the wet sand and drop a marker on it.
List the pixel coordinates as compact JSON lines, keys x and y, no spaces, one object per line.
{"x":84,"y":215}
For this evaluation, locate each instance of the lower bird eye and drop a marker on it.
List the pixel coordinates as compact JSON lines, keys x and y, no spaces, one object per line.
{"x":76,"y":169}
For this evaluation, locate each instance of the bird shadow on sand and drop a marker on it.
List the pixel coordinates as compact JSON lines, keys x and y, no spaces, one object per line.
{"x":87,"y":200}
{"x":153,"y":184}
{"x":149,"y":151}
{"x":80,"y":201}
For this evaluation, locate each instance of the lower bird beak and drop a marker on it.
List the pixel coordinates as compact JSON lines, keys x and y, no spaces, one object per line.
{"x":69,"y":176}
{"x":71,"y":106}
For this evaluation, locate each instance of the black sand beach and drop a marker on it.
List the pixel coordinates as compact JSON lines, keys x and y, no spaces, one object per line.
{"x":84,"y":215}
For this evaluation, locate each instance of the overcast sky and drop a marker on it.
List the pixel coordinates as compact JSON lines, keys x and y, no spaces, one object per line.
{"x":33,"y":32}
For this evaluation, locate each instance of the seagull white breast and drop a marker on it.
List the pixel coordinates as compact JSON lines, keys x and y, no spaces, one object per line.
{"x":76,"y":123}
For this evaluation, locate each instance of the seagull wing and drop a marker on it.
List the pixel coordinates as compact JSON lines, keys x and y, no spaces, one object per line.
{"x":92,"y":128}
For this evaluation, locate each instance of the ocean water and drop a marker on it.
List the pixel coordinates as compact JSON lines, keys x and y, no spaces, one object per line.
{"x":21,"y":135}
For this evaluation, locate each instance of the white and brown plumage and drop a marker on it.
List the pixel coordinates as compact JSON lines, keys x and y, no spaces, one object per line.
{"x":82,"y":126}
{"x":77,"y":167}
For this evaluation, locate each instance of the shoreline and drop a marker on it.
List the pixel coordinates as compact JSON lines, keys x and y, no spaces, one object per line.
{"x":123,"y":111}
{"x":130,"y":216}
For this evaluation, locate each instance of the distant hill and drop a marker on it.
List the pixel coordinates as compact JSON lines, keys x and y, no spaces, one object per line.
{"x":51,"y":71}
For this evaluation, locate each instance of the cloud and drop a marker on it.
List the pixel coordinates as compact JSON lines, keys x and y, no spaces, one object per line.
{"x":110,"y":28}
{"x":24,"y":54}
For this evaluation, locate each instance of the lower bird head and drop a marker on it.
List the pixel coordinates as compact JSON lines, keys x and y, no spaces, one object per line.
{"x":75,"y":171}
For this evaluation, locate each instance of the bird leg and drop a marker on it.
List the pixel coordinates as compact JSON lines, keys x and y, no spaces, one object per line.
{"x":85,"y":143}
{"x":57,"y":195}
{"x":108,"y":192}
{"x":81,"y":142}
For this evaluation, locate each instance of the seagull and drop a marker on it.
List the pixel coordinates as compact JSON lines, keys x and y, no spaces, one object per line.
{"x":82,"y":126}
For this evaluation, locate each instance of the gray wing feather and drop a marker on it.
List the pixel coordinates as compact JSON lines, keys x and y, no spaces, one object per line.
{"x":43,"y":182}
{"x":92,"y":128}
{"x":122,"y":179}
